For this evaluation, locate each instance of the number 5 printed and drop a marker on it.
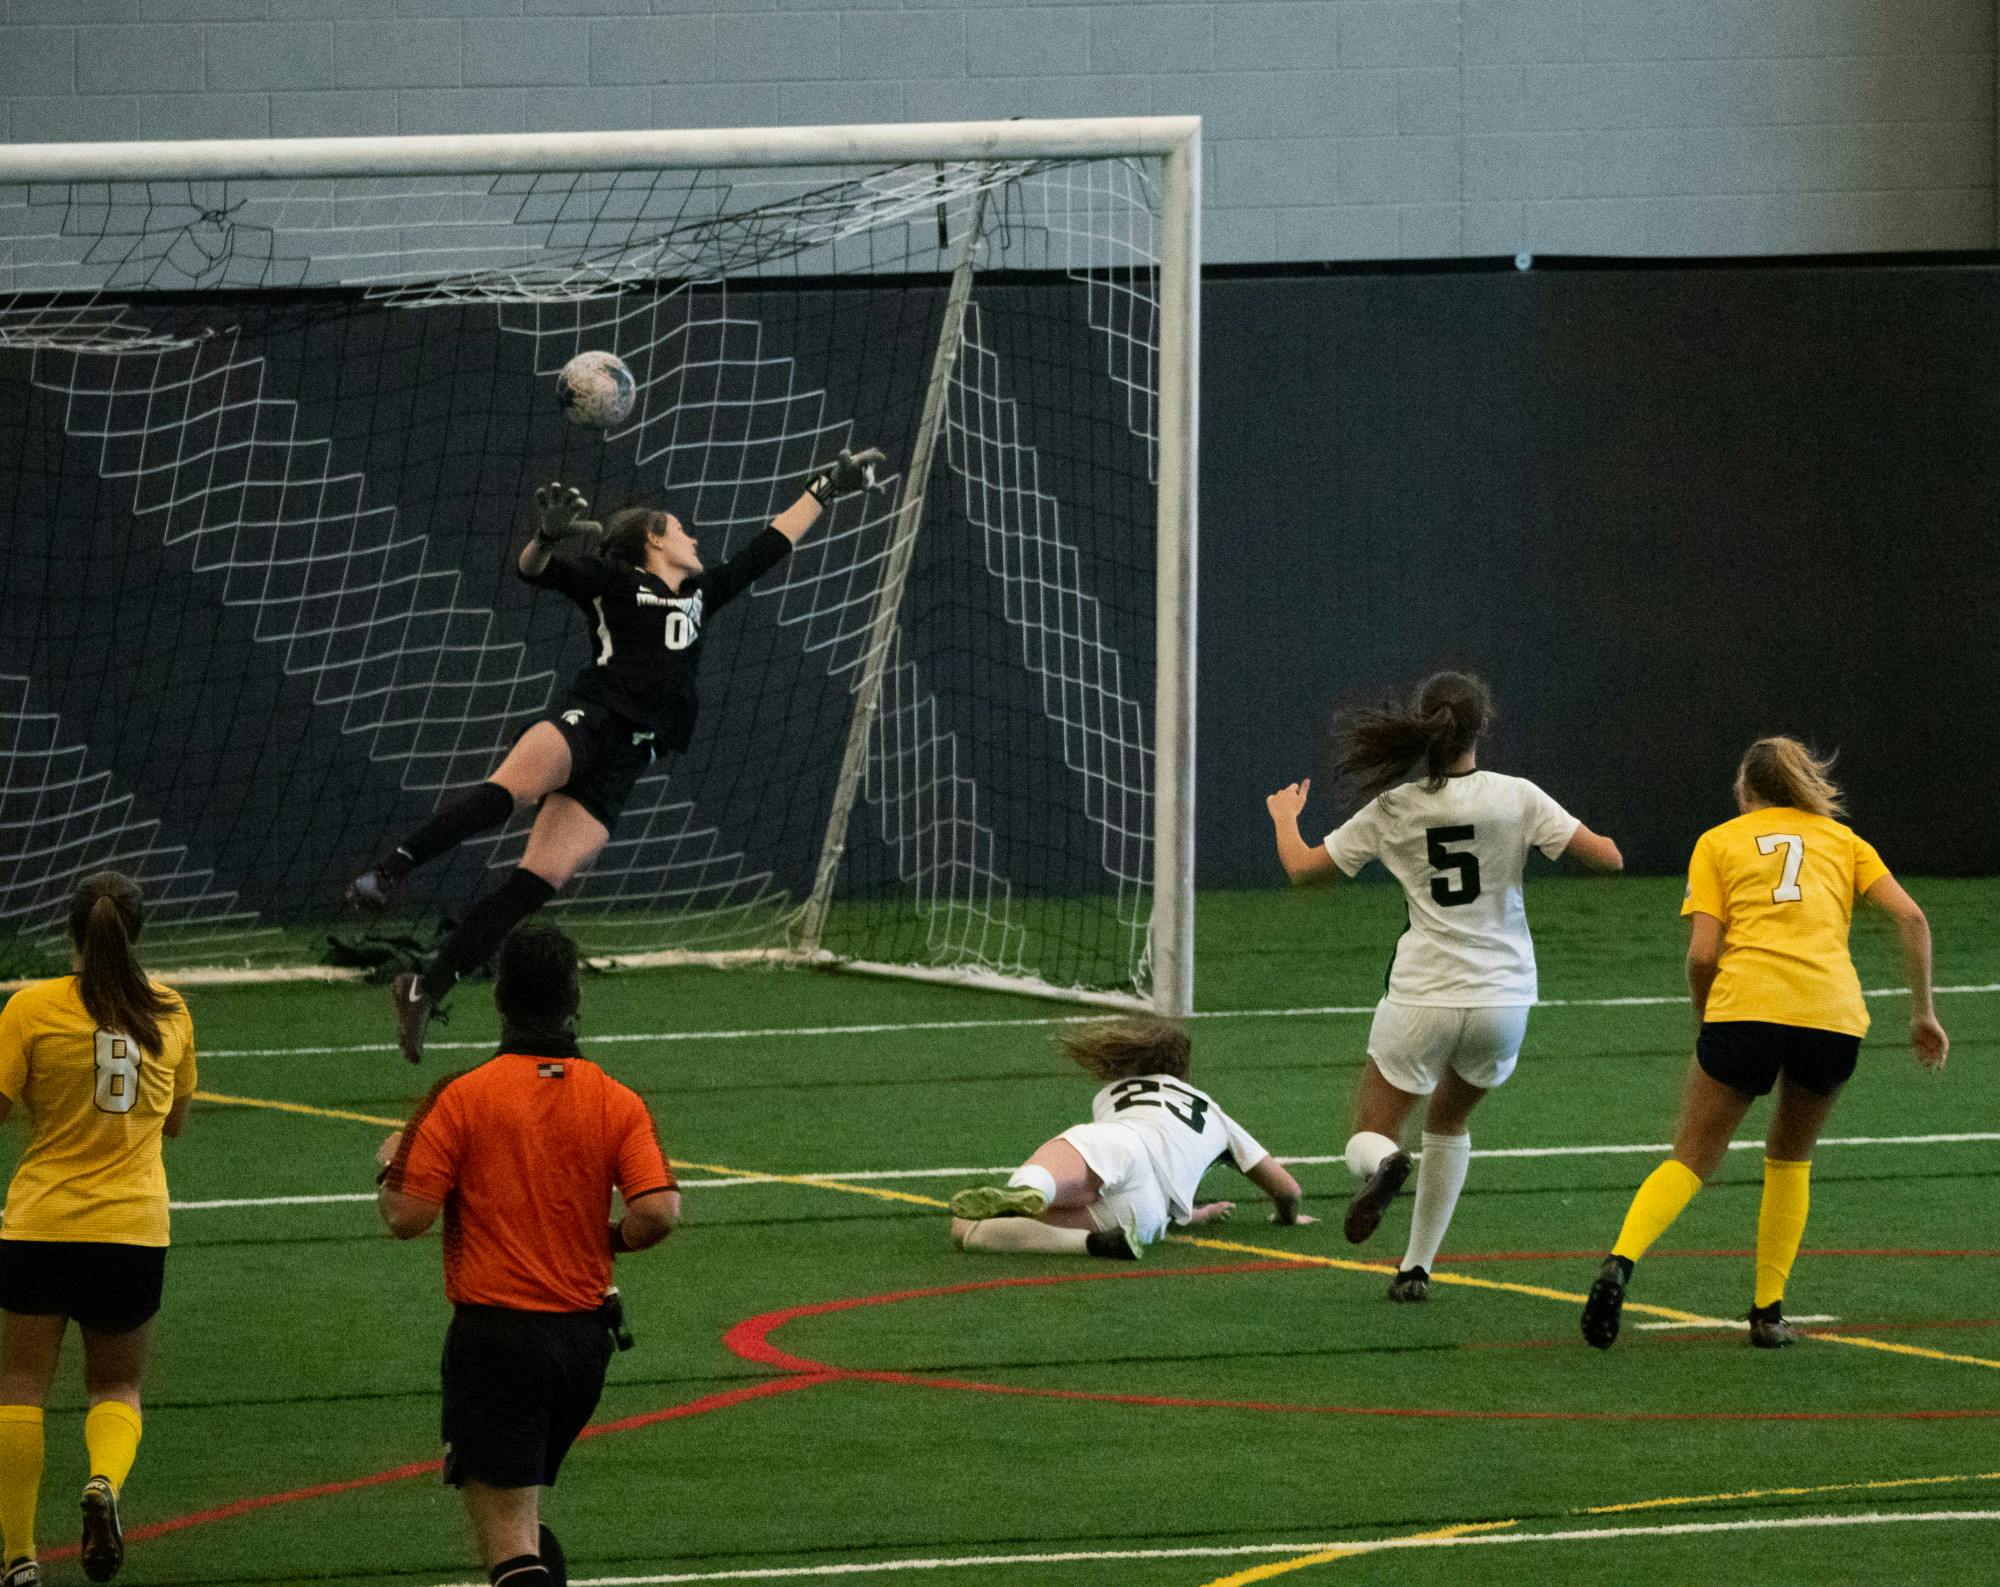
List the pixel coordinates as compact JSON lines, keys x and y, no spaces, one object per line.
{"x":1787,"y":891}
{"x":117,"y":1072}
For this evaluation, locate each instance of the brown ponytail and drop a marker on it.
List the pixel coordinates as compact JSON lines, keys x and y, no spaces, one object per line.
{"x":1782,"y":771}
{"x":1377,"y":749}
{"x":105,"y":916}
{"x":627,"y":531}
{"x":1139,"y":1044}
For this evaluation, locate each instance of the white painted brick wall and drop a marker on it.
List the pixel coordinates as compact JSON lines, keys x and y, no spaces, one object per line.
{"x":1335,"y":128}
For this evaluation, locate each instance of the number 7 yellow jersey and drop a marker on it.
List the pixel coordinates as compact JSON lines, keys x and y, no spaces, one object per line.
{"x":96,"y":1106}
{"x":1783,"y":883}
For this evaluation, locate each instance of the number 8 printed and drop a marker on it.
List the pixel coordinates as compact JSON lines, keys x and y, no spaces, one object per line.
{"x":117,"y":1072}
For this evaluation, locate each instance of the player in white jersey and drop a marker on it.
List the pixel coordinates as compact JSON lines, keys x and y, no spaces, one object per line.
{"x":1110,"y":1187}
{"x":1452,"y":1020}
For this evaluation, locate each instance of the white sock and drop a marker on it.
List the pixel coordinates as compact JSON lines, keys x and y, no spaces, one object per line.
{"x":1365,"y":1151}
{"x":1030,"y":1176}
{"x":1440,"y":1177}
{"x":1025,"y":1234}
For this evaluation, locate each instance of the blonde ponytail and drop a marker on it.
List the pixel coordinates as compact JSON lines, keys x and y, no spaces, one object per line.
{"x":1782,"y":771}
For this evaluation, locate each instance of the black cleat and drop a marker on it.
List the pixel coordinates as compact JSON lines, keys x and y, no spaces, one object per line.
{"x":414,"y":1009}
{"x":1364,"y":1212}
{"x":373,"y":892}
{"x":1412,"y":1286}
{"x":103,"y":1541}
{"x":24,"y":1572}
{"x":1768,"y":1328}
{"x":1606,"y":1303}
{"x":554,"y":1561}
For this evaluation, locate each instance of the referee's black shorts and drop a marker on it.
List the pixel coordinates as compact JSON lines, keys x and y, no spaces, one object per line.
{"x":104,"y":1286}
{"x":518,"y":1387}
{"x":1748,"y":1055}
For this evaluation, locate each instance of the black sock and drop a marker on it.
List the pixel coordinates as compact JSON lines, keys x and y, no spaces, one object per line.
{"x":553,"y":1559}
{"x":1625,"y":1265}
{"x":523,"y":1570}
{"x":479,"y":809}
{"x":484,"y":928}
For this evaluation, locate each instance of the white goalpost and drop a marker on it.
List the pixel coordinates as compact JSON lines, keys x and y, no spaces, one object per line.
{"x":273,"y":408}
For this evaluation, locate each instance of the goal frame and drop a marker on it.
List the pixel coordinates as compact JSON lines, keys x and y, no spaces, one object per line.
{"x":1174,"y":141}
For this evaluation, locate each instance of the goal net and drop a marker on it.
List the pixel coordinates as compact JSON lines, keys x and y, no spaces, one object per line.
{"x":271,"y":416}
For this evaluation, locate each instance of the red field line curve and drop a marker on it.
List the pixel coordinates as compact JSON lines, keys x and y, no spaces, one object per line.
{"x":750,"y":1339}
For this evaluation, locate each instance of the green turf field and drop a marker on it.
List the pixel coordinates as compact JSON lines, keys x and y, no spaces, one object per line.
{"x":1208,"y":1416}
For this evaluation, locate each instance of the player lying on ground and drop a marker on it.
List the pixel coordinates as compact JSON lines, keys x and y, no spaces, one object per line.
{"x":1776,"y":1000}
{"x":525,"y":1149}
{"x":102,"y":1062}
{"x":641,"y":585}
{"x":1108,"y":1188}
{"x":1451,"y":1024}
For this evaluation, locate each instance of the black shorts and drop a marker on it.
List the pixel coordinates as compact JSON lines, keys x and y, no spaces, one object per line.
{"x":607,"y":755}
{"x":518,"y":1387}
{"x":109,"y":1288}
{"x":1748,"y":1054}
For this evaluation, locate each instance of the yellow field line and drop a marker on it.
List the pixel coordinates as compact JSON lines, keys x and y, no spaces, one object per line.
{"x":813,"y":1181}
{"x":1786,"y":1493}
{"x":1257,"y":1573}
{"x":297,"y":1107}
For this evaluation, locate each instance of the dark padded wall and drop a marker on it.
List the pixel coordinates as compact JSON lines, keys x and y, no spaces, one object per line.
{"x":1662,"y":510}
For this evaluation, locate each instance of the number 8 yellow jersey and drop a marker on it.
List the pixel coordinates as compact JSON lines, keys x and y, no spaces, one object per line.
{"x":1783,"y":883}
{"x":96,"y":1104}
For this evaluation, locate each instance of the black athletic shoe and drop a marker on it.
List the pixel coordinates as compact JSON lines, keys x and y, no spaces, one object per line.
{"x":554,"y":1561}
{"x":413,"y":1012}
{"x":1411,"y":1286}
{"x":24,"y":1572}
{"x":373,"y":892}
{"x":1768,"y":1328}
{"x":1606,"y":1303}
{"x":1364,"y":1212}
{"x":103,"y":1541}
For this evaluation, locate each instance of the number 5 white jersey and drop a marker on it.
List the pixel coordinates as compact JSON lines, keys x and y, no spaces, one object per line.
{"x":1459,"y":853}
{"x":1181,"y":1129}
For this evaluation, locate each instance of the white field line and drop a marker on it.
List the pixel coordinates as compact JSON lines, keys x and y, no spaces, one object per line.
{"x":1248,"y":1550}
{"x":862,"y":1174}
{"x":896,"y":1027}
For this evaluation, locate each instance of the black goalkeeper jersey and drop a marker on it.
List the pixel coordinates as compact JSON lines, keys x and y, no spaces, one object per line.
{"x":645,"y":639}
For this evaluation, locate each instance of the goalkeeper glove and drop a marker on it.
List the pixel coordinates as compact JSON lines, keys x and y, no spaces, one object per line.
{"x":561,"y":508}
{"x":850,"y":472}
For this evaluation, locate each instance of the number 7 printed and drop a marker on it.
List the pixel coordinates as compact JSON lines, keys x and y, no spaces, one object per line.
{"x":1787,"y":891}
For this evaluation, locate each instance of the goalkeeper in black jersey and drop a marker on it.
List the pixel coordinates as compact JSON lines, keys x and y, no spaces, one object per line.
{"x":645,"y":597}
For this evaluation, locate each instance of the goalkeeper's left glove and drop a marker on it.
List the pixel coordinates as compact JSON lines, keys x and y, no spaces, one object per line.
{"x":850,"y":472}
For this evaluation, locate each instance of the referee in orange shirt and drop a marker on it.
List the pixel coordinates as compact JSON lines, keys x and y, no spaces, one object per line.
{"x":521,"y":1155}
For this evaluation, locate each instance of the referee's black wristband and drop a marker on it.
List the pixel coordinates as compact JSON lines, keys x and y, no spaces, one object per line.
{"x":618,"y":1245}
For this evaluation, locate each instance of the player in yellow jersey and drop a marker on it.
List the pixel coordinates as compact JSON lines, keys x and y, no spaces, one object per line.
{"x":1776,"y":1001}
{"x":102,"y":1062}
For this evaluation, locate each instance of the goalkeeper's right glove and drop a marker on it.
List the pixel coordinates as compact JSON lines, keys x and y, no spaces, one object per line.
{"x":561,"y":508}
{"x":850,"y":472}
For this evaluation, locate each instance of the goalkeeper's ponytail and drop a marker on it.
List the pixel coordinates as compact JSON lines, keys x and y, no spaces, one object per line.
{"x":105,"y":916}
{"x":627,"y":531}
{"x":1377,"y":749}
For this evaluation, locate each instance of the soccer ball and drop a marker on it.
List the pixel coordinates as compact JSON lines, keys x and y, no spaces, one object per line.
{"x":596,"y":389}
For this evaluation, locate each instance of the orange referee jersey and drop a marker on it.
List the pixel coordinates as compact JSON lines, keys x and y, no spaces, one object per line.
{"x":523,"y":1153}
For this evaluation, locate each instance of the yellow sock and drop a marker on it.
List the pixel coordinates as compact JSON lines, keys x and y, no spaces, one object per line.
{"x":20,"y":1479}
{"x":1667,"y":1189}
{"x":1781,"y":1224}
{"x":111,"y":1435}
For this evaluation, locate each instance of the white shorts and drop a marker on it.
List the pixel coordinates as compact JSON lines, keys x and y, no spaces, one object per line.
{"x":1413,"y":1045}
{"x":1117,"y":1158}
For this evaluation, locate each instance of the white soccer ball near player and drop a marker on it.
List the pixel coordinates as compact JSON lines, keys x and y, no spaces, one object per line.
{"x":596,"y":389}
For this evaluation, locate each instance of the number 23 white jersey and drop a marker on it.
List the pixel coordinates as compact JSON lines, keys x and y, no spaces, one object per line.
{"x":1182,"y":1129}
{"x":1459,"y":853}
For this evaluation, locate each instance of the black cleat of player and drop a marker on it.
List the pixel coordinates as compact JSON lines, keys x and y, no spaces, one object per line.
{"x":1768,"y":1328}
{"x":413,"y":1012}
{"x":1412,"y":1286}
{"x":103,"y":1541}
{"x":1606,"y":1303}
{"x":1364,"y":1212}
